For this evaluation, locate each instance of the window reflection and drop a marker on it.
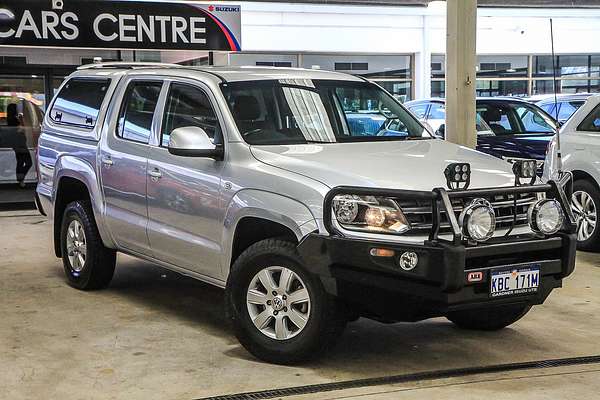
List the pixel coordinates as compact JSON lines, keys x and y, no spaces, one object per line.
{"x":21,"y":113}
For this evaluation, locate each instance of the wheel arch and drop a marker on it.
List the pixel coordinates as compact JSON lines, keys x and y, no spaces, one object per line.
{"x":579,"y":174}
{"x":247,"y":221}
{"x":76,"y":179}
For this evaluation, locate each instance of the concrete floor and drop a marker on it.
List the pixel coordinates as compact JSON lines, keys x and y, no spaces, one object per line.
{"x":154,"y":334}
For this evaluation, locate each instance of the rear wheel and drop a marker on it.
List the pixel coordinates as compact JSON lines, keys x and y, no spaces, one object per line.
{"x":489,"y":318}
{"x":280,"y":312}
{"x":88,"y":264}
{"x":584,"y":203}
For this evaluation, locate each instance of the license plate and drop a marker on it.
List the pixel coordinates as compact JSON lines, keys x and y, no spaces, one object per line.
{"x":509,"y":282}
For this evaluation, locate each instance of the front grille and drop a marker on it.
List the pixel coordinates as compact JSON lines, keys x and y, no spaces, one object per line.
{"x":420,"y":213}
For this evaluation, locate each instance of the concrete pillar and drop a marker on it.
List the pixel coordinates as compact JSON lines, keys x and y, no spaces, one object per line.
{"x":461,"y":29}
{"x":425,"y":86}
{"x":422,"y":75}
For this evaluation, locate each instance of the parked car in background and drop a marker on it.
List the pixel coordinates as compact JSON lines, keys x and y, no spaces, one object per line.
{"x":580,"y":148}
{"x":566,"y":105}
{"x":507,"y":128}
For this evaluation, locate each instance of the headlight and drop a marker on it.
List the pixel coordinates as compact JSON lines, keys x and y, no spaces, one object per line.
{"x":478,"y":220}
{"x":369,"y":214}
{"x":546,"y":216}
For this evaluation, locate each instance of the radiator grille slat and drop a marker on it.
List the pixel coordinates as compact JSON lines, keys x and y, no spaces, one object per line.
{"x":419,"y":213}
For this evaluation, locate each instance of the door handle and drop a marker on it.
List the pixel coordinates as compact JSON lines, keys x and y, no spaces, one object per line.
{"x":106,"y":160}
{"x":155,"y":174}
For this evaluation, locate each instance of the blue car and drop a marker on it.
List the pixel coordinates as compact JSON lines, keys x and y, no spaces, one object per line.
{"x":507,"y":128}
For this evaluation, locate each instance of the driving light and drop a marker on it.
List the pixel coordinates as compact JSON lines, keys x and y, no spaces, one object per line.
{"x":525,"y":169}
{"x":458,"y":175}
{"x":546,"y":216}
{"x":478,"y":220}
{"x":369,"y":214}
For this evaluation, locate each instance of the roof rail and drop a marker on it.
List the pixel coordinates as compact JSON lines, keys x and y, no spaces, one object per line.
{"x":126,"y":65}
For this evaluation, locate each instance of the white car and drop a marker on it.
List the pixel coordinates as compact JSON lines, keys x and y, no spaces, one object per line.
{"x":580,"y":148}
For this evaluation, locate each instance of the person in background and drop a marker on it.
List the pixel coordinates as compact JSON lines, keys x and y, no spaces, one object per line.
{"x":19,"y":143}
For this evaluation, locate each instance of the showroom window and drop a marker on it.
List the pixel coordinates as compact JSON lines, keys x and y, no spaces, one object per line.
{"x":525,"y":75}
{"x":575,"y":74}
{"x":497,"y":75}
{"x":392,"y":72}
{"x":287,"y":64}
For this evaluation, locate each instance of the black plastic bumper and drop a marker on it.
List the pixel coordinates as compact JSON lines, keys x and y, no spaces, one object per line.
{"x":379,"y":288}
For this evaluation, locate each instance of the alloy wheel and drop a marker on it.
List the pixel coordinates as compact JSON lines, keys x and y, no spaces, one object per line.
{"x":76,"y":245}
{"x":584,"y":208}
{"x":278,"y":302}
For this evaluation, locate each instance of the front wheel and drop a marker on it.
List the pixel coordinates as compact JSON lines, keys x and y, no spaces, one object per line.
{"x":87,"y":262}
{"x":280,"y":312}
{"x":584,"y":203}
{"x":489,"y":318}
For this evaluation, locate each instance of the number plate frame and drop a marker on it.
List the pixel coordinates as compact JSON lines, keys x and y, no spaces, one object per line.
{"x":523,"y":279}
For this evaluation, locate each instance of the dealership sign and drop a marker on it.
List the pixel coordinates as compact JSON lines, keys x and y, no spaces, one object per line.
{"x":120,"y":24}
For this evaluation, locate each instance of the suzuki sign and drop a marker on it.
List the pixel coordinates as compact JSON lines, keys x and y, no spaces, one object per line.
{"x":138,"y":25}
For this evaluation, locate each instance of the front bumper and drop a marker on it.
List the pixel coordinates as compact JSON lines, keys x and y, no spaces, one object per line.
{"x":377,"y":287}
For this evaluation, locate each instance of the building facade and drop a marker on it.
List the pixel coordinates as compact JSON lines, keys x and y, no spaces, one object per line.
{"x":399,"y":47}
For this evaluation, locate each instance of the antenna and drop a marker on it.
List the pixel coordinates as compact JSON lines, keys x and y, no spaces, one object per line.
{"x":554,"y":82}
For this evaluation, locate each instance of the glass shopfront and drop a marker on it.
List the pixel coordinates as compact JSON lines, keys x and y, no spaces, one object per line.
{"x":22,"y":104}
{"x":25,"y":91}
{"x":525,"y":75}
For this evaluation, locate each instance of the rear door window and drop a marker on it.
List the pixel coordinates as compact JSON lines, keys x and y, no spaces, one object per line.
{"x":419,"y":110}
{"x":137,"y":111}
{"x":79,"y":102}
{"x":568,"y":108}
{"x":437,"y":111}
{"x":591,"y":123}
{"x":549,"y":108}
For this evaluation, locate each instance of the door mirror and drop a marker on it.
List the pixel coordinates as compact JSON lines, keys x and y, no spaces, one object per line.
{"x":192,"y":141}
{"x":441,"y":132}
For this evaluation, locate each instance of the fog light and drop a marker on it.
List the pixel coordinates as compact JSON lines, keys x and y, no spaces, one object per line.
{"x":478,"y":220}
{"x":408,"y":260}
{"x":546,"y":216}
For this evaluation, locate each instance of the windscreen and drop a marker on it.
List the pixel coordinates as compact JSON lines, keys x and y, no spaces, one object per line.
{"x":318,"y":111}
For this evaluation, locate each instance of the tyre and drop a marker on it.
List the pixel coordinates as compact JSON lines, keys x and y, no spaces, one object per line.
{"x":489,"y":318}
{"x":280,"y":313}
{"x":87,"y":262}
{"x":584,"y":203}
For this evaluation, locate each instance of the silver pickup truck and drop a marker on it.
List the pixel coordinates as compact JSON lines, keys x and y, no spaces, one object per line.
{"x":312,"y":197}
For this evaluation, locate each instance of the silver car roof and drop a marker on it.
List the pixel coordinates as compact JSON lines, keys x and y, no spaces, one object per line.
{"x":224,"y":74}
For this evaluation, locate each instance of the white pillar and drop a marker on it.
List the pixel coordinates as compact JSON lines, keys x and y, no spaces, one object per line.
{"x":426,"y":59}
{"x":461,"y":29}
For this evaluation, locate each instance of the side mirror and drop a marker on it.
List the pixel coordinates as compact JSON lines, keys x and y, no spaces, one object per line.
{"x":441,"y":132}
{"x":192,"y":141}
